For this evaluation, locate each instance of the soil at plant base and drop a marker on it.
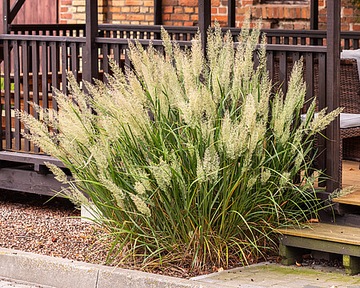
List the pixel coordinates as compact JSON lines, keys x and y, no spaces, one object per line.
{"x":52,"y":226}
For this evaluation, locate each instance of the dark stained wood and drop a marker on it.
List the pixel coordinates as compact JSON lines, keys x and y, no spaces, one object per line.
{"x":26,"y":107}
{"x":27,"y":158}
{"x":35,"y":79}
{"x":15,"y":9}
{"x":44,"y":74}
{"x":6,"y":15}
{"x":321,"y":98}
{"x":54,"y":69}
{"x":314,"y":14}
{"x":157,"y":12}
{"x":332,"y":94}
{"x":16,"y":94}
{"x":7,"y":105}
{"x":90,"y":52}
{"x":29,"y":181}
{"x":204,"y":14}
{"x":231,"y":13}
{"x":31,"y":12}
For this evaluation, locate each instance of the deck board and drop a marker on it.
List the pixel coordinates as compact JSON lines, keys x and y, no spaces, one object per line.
{"x":351,"y":178}
{"x":327,"y":232}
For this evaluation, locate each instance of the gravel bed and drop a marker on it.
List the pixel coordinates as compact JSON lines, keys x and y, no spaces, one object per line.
{"x":37,"y":224}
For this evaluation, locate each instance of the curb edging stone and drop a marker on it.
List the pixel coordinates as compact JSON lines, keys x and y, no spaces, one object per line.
{"x":65,"y":273}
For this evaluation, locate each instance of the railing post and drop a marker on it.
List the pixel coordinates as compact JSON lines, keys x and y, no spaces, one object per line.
{"x":231,"y":13}
{"x":157,"y":12}
{"x":332,"y":94}
{"x":204,"y":20}
{"x":90,"y":62}
{"x":314,"y":15}
{"x":6,"y":15}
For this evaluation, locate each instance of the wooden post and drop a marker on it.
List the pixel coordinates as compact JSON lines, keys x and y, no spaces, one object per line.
{"x":90,"y":62}
{"x":6,"y":14}
{"x":332,"y":94}
{"x":9,"y":14}
{"x":204,"y":20}
{"x":231,"y":13}
{"x":157,"y":12}
{"x":314,"y":15}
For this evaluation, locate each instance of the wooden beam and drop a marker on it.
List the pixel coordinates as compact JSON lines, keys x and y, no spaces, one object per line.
{"x":6,"y":15}
{"x":15,"y":9}
{"x":332,"y":94}
{"x":231,"y":13}
{"x":157,"y":12}
{"x":29,"y":181}
{"x":204,"y":15}
{"x":90,"y":52}
{"x":314,"y":15}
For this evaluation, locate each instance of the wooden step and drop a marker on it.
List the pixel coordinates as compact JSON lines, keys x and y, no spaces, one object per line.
{"x":323,"y":237}
{"x":349,"y":199}
{"x":351,"y":173}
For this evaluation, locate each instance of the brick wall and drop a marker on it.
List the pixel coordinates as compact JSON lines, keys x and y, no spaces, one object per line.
{"x":184,"y":13}
{"x":73,"y":11}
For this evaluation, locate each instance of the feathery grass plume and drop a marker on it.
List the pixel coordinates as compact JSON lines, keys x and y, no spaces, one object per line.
{"x":187,"y":158}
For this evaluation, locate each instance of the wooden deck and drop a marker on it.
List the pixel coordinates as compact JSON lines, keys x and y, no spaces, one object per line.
{"x":323,"y":237}
{"x":351,"y":179}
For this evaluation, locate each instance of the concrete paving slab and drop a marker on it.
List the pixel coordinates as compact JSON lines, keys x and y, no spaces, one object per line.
{"x":273,"y":275}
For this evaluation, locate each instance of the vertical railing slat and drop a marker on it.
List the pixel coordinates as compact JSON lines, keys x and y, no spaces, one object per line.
{"x":64,"y":67}
{"x":35,"y":79}
{"x":17,"y":94}
{"x":44,"y":74}
{"x":25,"y":83}
{"x":7,"y":104}
{"x":309,"y":77}
{"x":54,"y":52}
{"x":283,"y":71}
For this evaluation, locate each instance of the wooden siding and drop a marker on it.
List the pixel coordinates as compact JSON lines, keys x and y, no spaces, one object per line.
{"x":34,"y":12}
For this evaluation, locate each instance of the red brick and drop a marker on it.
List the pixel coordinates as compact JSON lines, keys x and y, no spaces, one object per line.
{"x":347,"y":12}
{"x":66,"y":2}
{"x":135,"y":17}
{"x":168,"y":9}
{"x":189,"y":10}
{"x":222,"y":10}
{"x":66,"y":16}
{"x":179,"y":10}
{"x":188,"y":2}
{"x":182,"y":17}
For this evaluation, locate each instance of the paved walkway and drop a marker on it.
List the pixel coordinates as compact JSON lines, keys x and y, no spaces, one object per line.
{"x":268,"y":275}
{"x":63,"y":273}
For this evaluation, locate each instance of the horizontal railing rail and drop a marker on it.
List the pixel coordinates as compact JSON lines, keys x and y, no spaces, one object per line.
{"x":349,"y":39}
{"x":35,"y":64}
{"x":76,"y":30}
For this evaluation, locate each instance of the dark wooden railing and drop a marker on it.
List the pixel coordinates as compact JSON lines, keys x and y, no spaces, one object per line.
{"x":75,"y":30}
{"x":35,"y":64}
{"x":36,"y":59}
{"x":32,"y":67}
{"x":349,"y":39}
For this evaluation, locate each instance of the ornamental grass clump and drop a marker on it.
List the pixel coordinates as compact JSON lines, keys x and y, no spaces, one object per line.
{"x":187,"y":160}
